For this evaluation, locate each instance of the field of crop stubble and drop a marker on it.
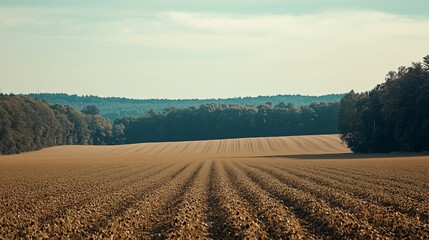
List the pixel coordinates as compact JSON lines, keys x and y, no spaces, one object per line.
{"x":305,"y":187}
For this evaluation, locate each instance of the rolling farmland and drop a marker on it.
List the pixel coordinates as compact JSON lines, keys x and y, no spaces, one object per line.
{"x":306,"y":187}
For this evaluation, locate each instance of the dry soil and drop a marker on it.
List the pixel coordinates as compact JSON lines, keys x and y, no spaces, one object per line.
{"x":306,"y":187}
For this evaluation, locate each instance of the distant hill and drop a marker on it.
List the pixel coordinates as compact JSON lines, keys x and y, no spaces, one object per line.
{"x":115,"y":107}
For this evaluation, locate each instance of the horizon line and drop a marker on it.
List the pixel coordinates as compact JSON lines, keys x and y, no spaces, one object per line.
{"x":174,"y":99}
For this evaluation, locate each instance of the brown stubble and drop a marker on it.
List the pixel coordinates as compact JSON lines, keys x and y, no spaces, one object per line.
{"x":306,"y":187}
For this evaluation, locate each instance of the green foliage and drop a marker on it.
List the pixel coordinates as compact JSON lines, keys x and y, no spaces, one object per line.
{"x":28,"y":124}
{"x":215,"y":121}
{"x":393,"y":116}
{"x":91,"y":110}
{"x":113,"y":108}
{"x":100,"y":130}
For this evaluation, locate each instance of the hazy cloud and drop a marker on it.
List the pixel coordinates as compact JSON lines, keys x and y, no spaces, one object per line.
{"x":317,"y":53}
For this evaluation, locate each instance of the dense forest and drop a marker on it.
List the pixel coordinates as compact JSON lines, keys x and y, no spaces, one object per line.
{"x":215,"y":121}
{"x":394,"y":116}
{"x":28,"y":124}
{"x":113,"y":107}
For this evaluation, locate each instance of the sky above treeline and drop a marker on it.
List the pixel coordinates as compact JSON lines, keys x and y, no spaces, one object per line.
{"x":207,"y":49}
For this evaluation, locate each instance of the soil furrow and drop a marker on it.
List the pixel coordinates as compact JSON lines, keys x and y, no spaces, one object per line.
{"x":61,"y":195}
{"x":320,"y":219}
{"x":140,"y":218}
{"x":27,"y":191}
{"x":388,"y":223}
{"x":279,"y":222}
{"x":391,"y":185}
{"x":78,"y":219}
{"x":229,"y":212}
{"x":373,"y":174}
{"x":189,"y":219}
{"x":299,"y":187}
{"x":387,"y":196}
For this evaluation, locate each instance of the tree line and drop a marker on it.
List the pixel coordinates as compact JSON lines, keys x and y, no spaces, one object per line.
{"x":28,"y":124}
{"x":218,"y":121}
{"x":114,"y":107}
{"x":394,"y":116}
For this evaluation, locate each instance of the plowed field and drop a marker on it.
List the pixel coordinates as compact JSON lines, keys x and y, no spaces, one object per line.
{"x":307,"y":187}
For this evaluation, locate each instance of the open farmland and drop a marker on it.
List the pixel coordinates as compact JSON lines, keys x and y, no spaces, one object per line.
{"x":306,"y":187}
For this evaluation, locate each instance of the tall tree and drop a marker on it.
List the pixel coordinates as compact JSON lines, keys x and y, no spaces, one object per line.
{"x":392,"y":116}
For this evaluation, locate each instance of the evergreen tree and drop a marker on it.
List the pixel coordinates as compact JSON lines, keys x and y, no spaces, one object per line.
{"x":391,"y":117}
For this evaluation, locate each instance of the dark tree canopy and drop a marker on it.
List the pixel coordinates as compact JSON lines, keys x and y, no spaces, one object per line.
{"x":28,"y":124}
{"x":91,"y":110}
{"x":114,"y":107}
{"x":215,"y":121}
{"x":394,"y":116}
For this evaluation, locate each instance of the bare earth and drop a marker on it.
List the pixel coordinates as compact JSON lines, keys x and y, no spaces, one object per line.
{"x":306,"y":187}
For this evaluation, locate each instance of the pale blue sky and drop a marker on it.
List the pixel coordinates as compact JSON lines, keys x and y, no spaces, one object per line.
{"x":207,"y":49}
